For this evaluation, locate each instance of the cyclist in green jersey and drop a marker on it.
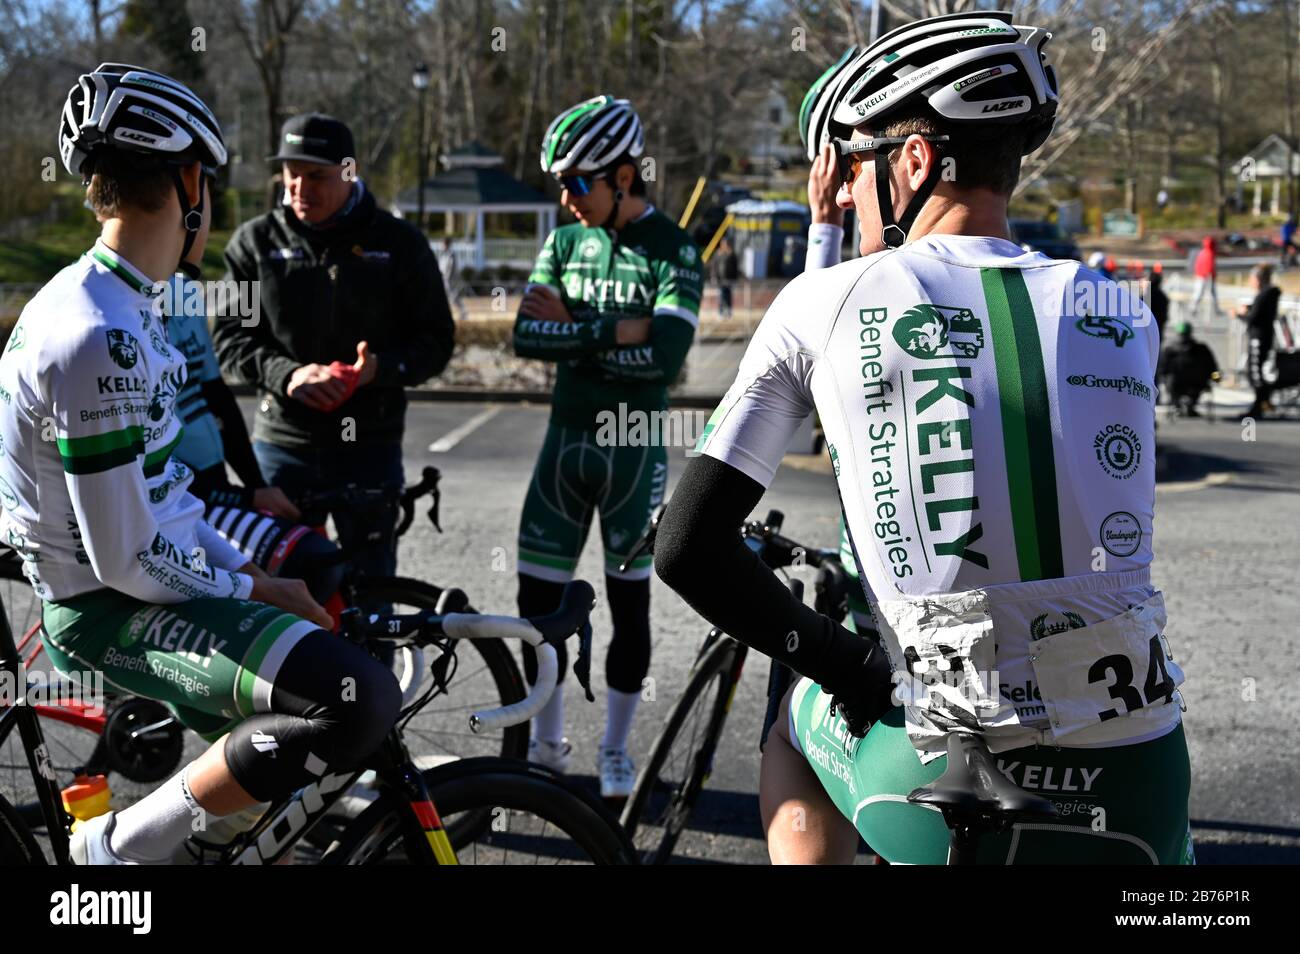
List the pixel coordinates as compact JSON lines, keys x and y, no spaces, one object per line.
{"x":134,"y":583}
{"x":614,"y":300}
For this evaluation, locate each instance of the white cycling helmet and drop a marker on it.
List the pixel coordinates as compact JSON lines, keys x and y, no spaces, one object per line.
{"x":138,"y":110}
{"x":132,"y":109}
{"x":971,"y":69}
{"x":975,"y":71}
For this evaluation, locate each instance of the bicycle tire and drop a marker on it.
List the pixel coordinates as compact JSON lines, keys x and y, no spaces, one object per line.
{"x":472,"y":787}
{"x":494,"y":654}
{"x":17,"y":844}
{"x":715,"y":665}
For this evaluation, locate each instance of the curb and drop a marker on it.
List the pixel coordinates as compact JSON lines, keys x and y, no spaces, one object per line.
{"x":484,"y":396}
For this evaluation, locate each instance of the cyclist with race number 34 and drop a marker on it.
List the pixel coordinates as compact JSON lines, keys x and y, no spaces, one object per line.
{"x":999,"y":504}
{"x":134,"y":583}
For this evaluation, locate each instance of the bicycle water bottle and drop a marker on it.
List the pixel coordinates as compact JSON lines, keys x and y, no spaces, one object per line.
{"x":86,"y":797}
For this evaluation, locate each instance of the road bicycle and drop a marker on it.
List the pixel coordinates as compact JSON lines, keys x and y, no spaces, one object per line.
{"x":140,"y":742}
{"x":670,"y":781}
{"x":477,"y":810}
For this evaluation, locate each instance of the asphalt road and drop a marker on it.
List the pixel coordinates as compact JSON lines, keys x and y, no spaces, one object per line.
{"x":1227,"y":558}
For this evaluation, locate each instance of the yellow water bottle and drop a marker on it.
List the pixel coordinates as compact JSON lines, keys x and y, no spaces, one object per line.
{"x":86,"y":797}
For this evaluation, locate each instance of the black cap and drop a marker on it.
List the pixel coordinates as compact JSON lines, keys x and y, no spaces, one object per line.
{"x":314,"y":137}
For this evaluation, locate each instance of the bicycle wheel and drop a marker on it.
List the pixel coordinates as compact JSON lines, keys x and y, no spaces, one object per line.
{"x":537,"y":817}
{"x":486,"y":677}
{"x":70,"y":747}
{"x":17,"y":846}
{"x":670,"y":782}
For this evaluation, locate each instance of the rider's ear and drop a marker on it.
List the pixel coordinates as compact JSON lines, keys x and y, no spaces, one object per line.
{"x":192,"y":176}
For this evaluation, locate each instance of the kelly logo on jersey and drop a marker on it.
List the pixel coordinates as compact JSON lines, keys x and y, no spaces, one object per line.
{"x":939,"y":331}
{"x":122,"y":348}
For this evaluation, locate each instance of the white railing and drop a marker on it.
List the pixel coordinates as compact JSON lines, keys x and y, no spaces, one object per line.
{"x":517,"y":253}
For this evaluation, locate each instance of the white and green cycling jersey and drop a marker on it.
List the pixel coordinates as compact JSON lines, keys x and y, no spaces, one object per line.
{"x":990,"y":415}
{"x":91,"y":494}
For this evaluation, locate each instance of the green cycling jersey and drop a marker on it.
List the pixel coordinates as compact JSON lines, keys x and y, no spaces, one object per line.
{"x":649,"y":269}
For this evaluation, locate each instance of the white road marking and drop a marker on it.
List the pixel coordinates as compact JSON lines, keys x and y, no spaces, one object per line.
{"x":1182,"y":486}
{"x":452,"y":438}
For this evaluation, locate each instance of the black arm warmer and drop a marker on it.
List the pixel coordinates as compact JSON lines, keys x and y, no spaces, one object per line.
{"x":234,"y":433}
{"x":699,"y":553}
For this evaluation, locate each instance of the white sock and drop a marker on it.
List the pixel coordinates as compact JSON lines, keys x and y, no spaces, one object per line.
{"x":548,"y":725}
{"x":151,"y":829}
{"x":618,"y":721}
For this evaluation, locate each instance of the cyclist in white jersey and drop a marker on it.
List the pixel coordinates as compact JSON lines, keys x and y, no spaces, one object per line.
{"x":134,"y":583}
{"x":1000,"y":505}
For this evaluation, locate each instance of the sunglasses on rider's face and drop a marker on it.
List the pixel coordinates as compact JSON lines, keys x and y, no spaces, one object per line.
{"x":579,"y":185}
{"x":852,"y":153}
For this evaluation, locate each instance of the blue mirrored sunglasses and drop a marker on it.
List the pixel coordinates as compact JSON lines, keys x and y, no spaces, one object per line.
{"x":578,"y":185}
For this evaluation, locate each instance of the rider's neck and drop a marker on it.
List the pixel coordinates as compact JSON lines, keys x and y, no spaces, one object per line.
{"x":979,"y":212}
{"x":150,"y":243}
{"x":631,"y":208}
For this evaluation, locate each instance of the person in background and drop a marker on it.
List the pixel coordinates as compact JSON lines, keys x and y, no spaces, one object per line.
{"x":1186,"y":368}
{"x":1158,"y":300}
{"x":724,"y":269}
{"x":352,"y":312}
{"x":1289,"y":247}
{"x":450,"y":270}
{"x":1205,"y":268}
{"x":1259,"y":317}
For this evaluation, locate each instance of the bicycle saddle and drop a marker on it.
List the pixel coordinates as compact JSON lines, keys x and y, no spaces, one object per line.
{"x":973,"y":788}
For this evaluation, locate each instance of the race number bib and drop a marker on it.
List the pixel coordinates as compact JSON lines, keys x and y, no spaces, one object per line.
{"x":1107,"y":670}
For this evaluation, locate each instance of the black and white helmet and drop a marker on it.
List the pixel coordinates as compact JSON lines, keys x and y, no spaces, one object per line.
{"x":132,"y":108}
{"x":590,"y":136}
{"x":973,"y":69}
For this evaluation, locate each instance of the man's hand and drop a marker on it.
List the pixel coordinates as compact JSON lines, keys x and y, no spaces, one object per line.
{"x":273,"y":499}
{"x":542,"y":303}
{"x":631,"y":331}
{"x":315,"y":386}
{"x":367,"y":364}
{"x":292,"y":596}
{"x":823,"y":186}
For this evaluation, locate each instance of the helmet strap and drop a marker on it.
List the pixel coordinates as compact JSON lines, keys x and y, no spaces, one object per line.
{"x":191,"y":218}
{"x":892,"y":234}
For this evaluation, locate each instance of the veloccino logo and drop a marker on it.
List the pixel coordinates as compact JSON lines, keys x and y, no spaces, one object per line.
{"x":1119,"y":450}
{"x":1126,"y":384}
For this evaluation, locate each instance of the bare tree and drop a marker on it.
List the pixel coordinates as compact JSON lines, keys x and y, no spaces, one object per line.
{"x":263,"y":27}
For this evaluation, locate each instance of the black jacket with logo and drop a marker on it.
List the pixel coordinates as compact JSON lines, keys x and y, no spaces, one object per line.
{"x":369,"y":278}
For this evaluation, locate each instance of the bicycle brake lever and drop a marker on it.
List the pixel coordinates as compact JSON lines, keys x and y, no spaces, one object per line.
{"x":582,"y":665}
{"x":433,"y":510}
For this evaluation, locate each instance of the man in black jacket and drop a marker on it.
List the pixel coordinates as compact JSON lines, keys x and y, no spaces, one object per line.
{"x":1187,"y":367}
{"x":352,"y":311}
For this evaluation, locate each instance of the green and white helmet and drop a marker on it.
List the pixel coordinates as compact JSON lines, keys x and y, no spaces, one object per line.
{"x":819,"y":102}
{"x":590,"y":136}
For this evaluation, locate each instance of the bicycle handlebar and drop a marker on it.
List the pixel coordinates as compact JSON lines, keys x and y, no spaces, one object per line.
{"x":355,"y":496}
{"x":543,"y":633}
